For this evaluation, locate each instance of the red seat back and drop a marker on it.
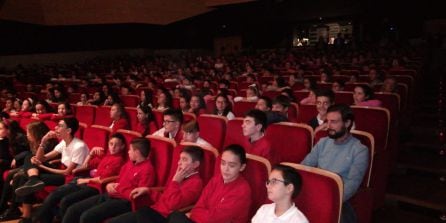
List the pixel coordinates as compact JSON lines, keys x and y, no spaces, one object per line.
{"x":344,"y":97}
{"x":306,"y":113}
{"x":130,"y":100}
{"x":86,"y":114}
{"x":96,"y":136}
{"x":234,"y":133}
{"x":133,"y":119}
{"x":188,"y":116}
{"x":161,"y":157}
{"x":129,"y":136}
{"x":158,"y":115}
{"x":103,"y":116}
{"x":241,"y":107}
{"x":298,"y":143}
{"x":256,"y":173}
{"x":213,"y":129}
{"x":320,"y":198}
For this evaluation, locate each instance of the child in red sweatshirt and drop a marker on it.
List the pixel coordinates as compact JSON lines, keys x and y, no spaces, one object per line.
{"x":226,"y":198}
{"x":137,"y":172}
{"x":182,"y":191}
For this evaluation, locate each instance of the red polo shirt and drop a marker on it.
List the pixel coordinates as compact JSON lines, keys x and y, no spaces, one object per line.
{"x":133,"y":176}
{"x":179,"y":195}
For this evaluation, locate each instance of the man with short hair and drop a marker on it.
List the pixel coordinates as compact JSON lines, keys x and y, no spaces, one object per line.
{"x":341,"y":153}
{"x":254,"y":125}
{"x":324,"y":99}
{"x":172,"y":121}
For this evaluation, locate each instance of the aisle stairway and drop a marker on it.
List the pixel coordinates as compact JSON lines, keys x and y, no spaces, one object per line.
{"x":416,"y":191}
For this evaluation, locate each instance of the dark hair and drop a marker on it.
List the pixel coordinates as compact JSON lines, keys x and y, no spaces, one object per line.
{"x":326,"y":93}
{"x":290,"y":94}
{"x":225,"y":82}
{"x":268,"y":101}
{"x":195,"y":152}
{"x":290,"y":176}
{"x":148,"y":97}
{"x":280,"y":82}
{"x":345,"y":111}
{"x":368,"y":91}
{"x":169,"y":99}
{"x":72,"y":123}
{"x":142,"y":145}
{"x":121,"y":109}
{"x":259,"y":117}
{"x":118,"y":136}
{"x":313,"y":83}
{"x":69,"y":110}
{"x":46,"y":106}
{"x":201,"y":102}
{"x":150,"y":117}
{"x":101,"y":99}
{"x":115,"y":97}
{"x":238,"y":151}
{"x":177,"y":114}
{"x":191,"y":126}
{"x":282,"y":100}
{"x":228,"y":104}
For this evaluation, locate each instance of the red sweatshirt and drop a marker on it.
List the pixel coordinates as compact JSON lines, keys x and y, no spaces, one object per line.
{"x":261,"y":147}
{"x":223,"y":203}
{"x":179,"y":195}
{"x":133,"y":176}
{"x":108,"y":166}
{"x":120,"y":124}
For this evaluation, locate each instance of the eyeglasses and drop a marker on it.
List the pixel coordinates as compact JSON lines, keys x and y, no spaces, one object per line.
{"x":274,"y":181}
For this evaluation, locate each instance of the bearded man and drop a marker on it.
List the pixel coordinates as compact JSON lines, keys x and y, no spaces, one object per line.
{"x":341,"y":153}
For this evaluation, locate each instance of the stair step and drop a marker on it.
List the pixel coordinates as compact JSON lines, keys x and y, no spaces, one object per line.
{"x":419,"y":190}
{"x":424,"y":159}
{"x":398,"y":212}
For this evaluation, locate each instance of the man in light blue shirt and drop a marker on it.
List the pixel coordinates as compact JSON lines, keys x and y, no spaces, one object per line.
{"x":341,"y":153}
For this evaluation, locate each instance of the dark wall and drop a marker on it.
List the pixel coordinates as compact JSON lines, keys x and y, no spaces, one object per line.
{"x":266,"y":23}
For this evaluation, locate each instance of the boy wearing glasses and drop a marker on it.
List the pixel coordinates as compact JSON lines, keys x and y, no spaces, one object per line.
{"x":172,"y":121}
{"x":283,"y":186}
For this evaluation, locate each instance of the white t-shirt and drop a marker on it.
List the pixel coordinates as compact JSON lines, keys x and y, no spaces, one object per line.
{"x":75,"y":152}
{"x":203,"y":142}
{"x":266,"y":214}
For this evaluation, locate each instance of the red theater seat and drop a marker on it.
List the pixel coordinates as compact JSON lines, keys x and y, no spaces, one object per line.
{"x":103,"y":116}
{"x":161,"y":157}
{"x":213,"y":129}
{"x":320,"y":198}
{"x":256,"y":173}
{"x":129,"y":100}
{"x":96,"y":135}
{"x":86,"y":114}
{"x":306,"y":113}
{"x":241,"y":107}
{"x":234,"y":133}
{"x":290,"y":142}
